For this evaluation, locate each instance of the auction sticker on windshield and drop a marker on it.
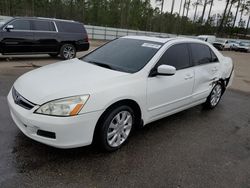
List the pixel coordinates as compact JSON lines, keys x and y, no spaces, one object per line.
{"x":150,"y":45}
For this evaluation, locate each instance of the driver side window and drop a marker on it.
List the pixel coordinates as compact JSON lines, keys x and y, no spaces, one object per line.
{"x":176,"y":56}
{"x":21,"y":25}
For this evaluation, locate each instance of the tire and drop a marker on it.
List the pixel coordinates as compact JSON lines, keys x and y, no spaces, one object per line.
{"x":68,"y":51}
{"x":119,"y":131}
{"x":53,"y":54}
{"x":214,"y":98}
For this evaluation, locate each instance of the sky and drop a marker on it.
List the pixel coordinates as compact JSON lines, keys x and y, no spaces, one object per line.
{"x":218,"y":7}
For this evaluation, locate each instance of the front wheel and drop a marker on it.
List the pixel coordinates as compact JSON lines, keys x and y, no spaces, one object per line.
{"x":116,"y":128}
{"x":68,"y":51}
{"x":214,"y":97}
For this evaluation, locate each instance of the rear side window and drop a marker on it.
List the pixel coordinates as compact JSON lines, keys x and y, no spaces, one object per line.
{"x":21,"y":25}
{"x":177,"y":56}
{"x":41,"y":25}
{"x":70,"y":27}
{"x":201,"y":54}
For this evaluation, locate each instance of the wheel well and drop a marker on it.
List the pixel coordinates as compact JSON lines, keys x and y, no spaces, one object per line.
{"x":222,"y":82}
{"x":68,"y":42}
{"x":128,"y":102}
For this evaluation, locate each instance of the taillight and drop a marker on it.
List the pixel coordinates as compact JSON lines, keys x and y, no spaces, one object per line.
{"x":87,"y":38}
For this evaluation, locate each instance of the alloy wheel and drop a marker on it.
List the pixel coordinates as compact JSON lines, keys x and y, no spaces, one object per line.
{"x":119,"y":128}
{"x":69,"y":52}
{"x":216,"y":95}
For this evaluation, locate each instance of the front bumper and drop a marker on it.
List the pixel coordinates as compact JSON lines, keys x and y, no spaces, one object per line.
{"x":69,"y":132}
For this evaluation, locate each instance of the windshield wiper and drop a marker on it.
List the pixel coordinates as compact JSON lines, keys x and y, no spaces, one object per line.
{"x":102,"y":65}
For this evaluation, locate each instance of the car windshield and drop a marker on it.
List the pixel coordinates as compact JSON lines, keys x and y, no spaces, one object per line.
{"x":126,"y":55}
{"x":4,"y":19}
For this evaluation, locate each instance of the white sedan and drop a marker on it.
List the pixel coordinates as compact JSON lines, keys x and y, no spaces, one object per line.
{"x":126,"y":83}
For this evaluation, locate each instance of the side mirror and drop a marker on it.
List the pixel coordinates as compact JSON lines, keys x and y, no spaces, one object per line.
{"x":9,"y":27}
{"x":166,"y":70}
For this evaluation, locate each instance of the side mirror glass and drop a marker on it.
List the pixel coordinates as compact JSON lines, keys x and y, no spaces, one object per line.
{"x":166,"y":70}
{"x":9,"y":27}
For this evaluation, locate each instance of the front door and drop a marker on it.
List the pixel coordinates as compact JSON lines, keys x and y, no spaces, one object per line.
{"x":166,"y":94}
{"x":20,"y":39}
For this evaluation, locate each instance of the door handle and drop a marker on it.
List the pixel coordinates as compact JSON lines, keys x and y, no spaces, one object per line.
{"x":188,"y":76}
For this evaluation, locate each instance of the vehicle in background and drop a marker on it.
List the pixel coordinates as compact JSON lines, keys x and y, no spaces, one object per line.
{"x":26,"y":35}
{"x":234,"y":44}
{"x":207,"y":38}
{"x":222,"y":44}
{"x":127,"y":83}
{"x":244,"y":47}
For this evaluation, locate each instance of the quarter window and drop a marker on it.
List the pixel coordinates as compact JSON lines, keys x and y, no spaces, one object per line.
{"x":21,"y":25}
{"x":201,"y":54}
{"x":41,"y":25}
{"x":214,"y":57}
{"x":70,"y":27}
{"x":176,"y":56}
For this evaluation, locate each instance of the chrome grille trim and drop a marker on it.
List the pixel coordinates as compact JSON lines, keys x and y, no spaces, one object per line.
{"x":21,"y":101}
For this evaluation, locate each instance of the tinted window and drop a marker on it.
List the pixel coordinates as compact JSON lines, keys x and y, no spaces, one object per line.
{"x":200,"y":54}
{"x":128,"y":55}
{"x":177,"y":56}
{"x":70,"y":27}
{"x":21,"y":25}
{"x":44,"y":25}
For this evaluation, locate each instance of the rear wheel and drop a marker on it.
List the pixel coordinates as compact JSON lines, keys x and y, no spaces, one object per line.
{"x":214,"y":97}
{"x":68,"y":51}
{"x":116,"y":128}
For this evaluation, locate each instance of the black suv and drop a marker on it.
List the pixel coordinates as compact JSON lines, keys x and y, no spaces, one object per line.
{"x":24,"y":35}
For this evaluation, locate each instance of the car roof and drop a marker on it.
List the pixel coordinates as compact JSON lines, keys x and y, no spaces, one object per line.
{"x":44,"y":18}
{"x":164,"y":40}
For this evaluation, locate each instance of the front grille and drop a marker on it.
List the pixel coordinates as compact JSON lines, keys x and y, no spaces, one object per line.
{"x":21,"y":101}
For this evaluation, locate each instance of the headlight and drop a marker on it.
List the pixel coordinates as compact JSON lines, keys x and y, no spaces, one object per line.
{"x":70,"y":106}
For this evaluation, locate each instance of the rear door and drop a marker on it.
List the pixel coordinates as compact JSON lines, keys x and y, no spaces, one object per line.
{"x":206,"y":70}
{"x":20,"y":39}
{"x":168,"y":93}
{"x":45,"y":35}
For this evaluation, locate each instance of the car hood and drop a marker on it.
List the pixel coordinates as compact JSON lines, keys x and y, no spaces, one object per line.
{"x":64,"y":79}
